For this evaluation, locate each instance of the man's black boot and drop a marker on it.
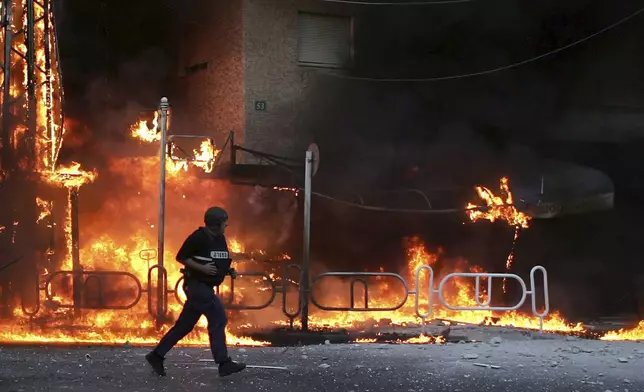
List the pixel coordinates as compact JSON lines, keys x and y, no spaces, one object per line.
{"x":229,"y":367}
{"x":156,"y":361}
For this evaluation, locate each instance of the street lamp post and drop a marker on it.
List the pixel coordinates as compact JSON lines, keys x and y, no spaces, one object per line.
{"x":161,"y":275}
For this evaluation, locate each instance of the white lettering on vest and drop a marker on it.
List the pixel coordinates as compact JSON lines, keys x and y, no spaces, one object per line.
{"x":219,"y":255}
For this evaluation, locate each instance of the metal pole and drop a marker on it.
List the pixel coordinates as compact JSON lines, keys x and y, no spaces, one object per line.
{"x":7,"y":153}
{"x":77,"y":269}
{"x":163,"y":127}
{"x":35,"y":159}
{"x":308,"y":167}
{"x":6,"y":157}
{"x":59,"y":81}
{"x":233,"y":150}
{"x":51,"y":225}
{"x":51,"y":130}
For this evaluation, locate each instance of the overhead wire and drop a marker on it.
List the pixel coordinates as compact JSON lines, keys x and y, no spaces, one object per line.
{"x":362,"y":206}
{"x":497,"y":69}
{"x":396,"y":210}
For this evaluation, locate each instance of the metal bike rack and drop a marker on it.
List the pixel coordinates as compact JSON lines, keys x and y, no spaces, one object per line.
{"x":171,"y":146}
{"x":265,"y":305}
{"x":176,"y":290}
{"x":34,"y":312}
{"x":87,"y":286}
{"x":162,"y":290}
{"x":148,"y":255}
{"x":94,"y":275}
{"x":533,"y":294}
{"x":485,"y":305}
{"x":228,"y":302}
{"x":355,"y":278}
{"x":283,"y":289}
{"x":275,"y":289}
{"x":366,"y":291}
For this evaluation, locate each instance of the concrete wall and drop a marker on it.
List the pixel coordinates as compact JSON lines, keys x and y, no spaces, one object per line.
{"x":272,"y":74}
{"x":212,"y":99}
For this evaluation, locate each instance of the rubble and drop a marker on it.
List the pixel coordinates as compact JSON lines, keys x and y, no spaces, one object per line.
{"x":486,"y":365}
{"x":496,"y":340}
{"x":339,"y":367}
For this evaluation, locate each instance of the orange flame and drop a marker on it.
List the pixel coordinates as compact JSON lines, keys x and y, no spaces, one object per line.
{"x":45,"y":209}
{"x":636,"y":333}
{"x":70,"y":176}
{"x":203,"y":158}
{"x":365,"y":340}
{"x":498,"y":207}
{"x":112,"y":250}
{"x":141,"y":131}
{"x":424,"y":339}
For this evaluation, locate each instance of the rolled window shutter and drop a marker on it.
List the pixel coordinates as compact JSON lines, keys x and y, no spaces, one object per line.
{"x":324,"y":40}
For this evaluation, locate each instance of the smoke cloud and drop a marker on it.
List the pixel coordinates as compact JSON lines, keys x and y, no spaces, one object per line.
{"x":372,"y":136}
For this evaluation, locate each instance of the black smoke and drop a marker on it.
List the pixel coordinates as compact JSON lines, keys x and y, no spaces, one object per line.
{"x":376,"y":136}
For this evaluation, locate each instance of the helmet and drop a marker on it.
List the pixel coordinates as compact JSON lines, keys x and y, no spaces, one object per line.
{"x":215,"y":216}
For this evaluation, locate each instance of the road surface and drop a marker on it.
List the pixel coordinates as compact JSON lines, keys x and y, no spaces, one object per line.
{"x":561,"y":364}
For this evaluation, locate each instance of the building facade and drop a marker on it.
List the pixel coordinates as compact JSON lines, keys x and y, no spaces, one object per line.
{"x":250,"y":67}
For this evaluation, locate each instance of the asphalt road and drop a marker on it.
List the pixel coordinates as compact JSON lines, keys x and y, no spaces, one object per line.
{"x":530,"y":365}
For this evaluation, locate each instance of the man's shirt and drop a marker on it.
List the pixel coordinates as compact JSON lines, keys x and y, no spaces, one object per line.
{"x":205,"y":248}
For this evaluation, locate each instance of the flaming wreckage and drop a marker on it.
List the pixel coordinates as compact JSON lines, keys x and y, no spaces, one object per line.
{"x":115,"y":287}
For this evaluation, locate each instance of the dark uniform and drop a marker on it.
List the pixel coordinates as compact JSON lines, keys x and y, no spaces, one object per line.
{"x":205,"y":246}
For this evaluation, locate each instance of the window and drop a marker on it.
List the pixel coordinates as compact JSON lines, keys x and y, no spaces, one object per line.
{"x":325,"y":40}
{"x":196,"y":68}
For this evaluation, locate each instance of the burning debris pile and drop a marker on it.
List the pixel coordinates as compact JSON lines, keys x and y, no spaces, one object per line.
{"x":117,"y":250}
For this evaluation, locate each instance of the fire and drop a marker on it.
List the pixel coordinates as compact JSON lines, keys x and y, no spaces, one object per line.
{"x":425,"y":339}
{"x":636,"y":333}
{"x":18,"y":334}
{"x":296,"y":191}
{"x":39,"y":89}
{"x":365,"y":340}
{"x":203,"y":158}
{"x":498,"y":207}
{"x":235,"y":246}
{"x":45,"y":209}
{"x":140,"y":130}
{"x":46,"y":106}
{"x":458,"y":292}
{"x":70,"y":176}
{"x":421,"y":339}
{"x":121,"y":236}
